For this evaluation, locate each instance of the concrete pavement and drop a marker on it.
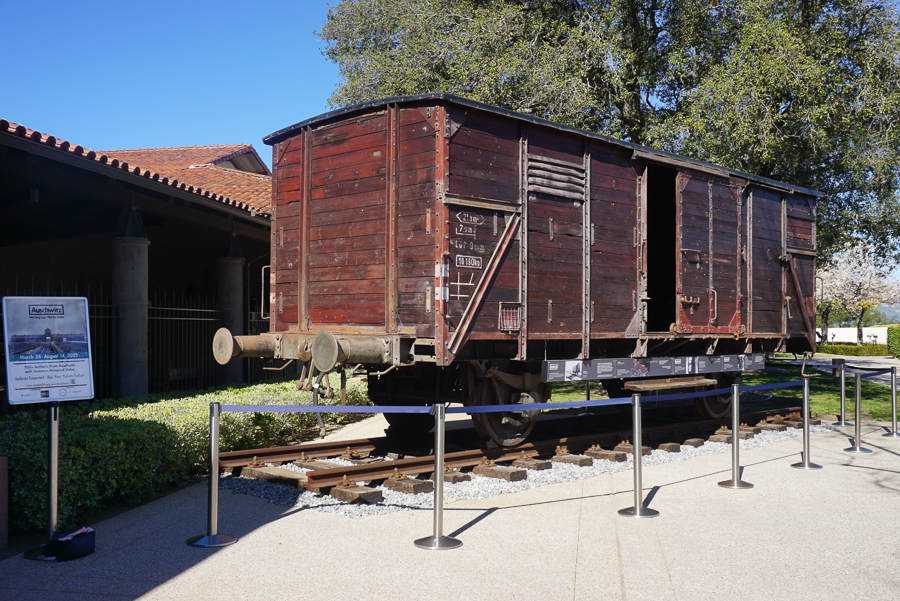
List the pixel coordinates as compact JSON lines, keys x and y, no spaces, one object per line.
{"x":823,"y":362}
{"x":797,"y":534}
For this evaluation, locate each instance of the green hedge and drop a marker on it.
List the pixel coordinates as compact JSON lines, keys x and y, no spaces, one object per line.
{"x":867,"y":350}
{"x":893,"y":340}
{"x":124,"y":451}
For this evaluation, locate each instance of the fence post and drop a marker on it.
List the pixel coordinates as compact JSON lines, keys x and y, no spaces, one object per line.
{"x":857,"y":439}
{"x":843,"y":420}
{"x":638,"y":511}
{"x":735,"y":481}
{"x":806,"y":464}
{"x":212,"y":538}
{"x":438,"y":541}
{"x":893,"y":433}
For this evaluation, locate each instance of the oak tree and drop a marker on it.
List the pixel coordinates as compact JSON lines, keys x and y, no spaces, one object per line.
{"x":803,"y":91}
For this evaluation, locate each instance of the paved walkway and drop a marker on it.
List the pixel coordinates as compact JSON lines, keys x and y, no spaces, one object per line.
{"x":801,"y":535}
{"x":824,"y":363}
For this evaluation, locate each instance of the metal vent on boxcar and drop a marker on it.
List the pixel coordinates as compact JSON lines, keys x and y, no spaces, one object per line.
{"x":556,"y":177}
{"x":510,"y":317}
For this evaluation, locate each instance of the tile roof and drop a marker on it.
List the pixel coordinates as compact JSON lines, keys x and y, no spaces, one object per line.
{"x":179,"y":157}
{"x":198,"y":174}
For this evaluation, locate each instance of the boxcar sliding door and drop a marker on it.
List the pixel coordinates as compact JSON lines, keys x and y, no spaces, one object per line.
{"x":708,"y":255}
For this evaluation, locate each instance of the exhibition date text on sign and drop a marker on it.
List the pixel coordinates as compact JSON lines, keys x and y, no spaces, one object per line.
{"x":48,"y":349}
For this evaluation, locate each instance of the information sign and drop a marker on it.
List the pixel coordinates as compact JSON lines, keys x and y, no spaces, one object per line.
{"x":48,"y":349}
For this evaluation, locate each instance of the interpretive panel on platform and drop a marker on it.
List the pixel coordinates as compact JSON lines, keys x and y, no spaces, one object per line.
{"x":650,"y":367}
{"x":48,"y":349}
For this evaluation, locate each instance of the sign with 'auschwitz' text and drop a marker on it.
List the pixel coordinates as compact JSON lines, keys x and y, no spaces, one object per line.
{"x":48,"y":349}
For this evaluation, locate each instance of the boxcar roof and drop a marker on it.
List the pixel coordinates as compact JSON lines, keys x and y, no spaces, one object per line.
{"x":651,"y":154}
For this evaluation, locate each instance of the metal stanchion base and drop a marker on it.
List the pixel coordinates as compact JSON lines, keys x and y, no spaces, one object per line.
{"x":892,"y":434}
{"x":211,"y":541}
{"x":806,"y":466}
{"x":733,"y":484}
{"x":842,"y":423}
{"x":638,"y":512}
{"x":858,"y":450}
{"x":437,"y":543}
{"x":38,"y":554}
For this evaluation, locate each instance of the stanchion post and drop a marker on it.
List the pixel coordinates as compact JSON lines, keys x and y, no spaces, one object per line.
{"x":735,"y":481}
{"x":893,"y":433}
{"x":806,"y":464}
{"x":857,"y":438}
{"x":638,"y":511}
{"x":212,"y":538}
{"x":843,"y":420}
{"x":52,"y":483}
{"x":438,"y":541}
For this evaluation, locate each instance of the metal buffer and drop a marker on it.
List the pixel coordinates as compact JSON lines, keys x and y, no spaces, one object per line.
{"x":735,"y":481}
{"x":212,"y":538}
{"x":638,"y":511}
{"x":438,"y":541}
{"x":857,"y":438}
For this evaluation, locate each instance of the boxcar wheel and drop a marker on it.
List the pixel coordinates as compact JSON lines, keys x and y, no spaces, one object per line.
{"x":719,"y":406}
{"x":509,"y":428}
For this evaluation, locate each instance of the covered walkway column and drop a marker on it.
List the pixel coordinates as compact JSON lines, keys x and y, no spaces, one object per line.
{"x":130,"y":292}
{"x":231,"y":303}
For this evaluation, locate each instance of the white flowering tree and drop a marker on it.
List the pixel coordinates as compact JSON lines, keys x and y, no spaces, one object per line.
{"x":857,"y":283}
{"x":826,"y":300}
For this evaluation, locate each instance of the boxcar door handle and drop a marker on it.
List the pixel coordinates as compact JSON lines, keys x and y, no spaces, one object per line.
{"x":715,"y":306}
{"x":549,"y":311}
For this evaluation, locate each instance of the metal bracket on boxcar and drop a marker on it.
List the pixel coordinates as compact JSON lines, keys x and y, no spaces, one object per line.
{"x":278,"y":368}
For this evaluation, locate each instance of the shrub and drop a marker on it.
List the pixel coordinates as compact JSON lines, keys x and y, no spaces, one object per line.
{"x":126,"y":450}
{"x":893,"y":340}
{"x":868,"y":350}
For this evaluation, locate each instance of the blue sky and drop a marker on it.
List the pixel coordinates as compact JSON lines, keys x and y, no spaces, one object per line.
{"x":110,"y":75}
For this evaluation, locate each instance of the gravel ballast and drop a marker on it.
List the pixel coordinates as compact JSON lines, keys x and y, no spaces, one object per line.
{"x":480,"y":487}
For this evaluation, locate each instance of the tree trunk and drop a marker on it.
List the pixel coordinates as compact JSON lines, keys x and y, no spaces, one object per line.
{"x":859,"y":322}
{"x":824,"y":316}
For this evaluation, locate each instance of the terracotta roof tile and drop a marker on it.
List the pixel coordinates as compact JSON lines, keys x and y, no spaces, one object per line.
{"x":250,"y":192}
{"x":179,"y":157}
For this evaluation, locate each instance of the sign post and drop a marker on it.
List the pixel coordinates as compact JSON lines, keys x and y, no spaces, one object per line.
{"x":48,"y":360}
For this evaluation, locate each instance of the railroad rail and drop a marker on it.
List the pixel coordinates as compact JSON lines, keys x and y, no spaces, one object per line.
{"x":413,"y":466}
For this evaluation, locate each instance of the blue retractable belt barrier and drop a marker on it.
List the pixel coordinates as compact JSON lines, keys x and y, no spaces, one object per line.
{"x":486,"y":408}
{"x":326,"y":409}
{"x":873,"y":370}
{"x":770,"y":386}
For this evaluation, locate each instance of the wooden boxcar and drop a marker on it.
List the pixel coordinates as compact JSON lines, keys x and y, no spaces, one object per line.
{"x":463,"y":249}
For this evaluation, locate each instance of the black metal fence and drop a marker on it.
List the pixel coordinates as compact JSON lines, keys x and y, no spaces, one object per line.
{"x":180,"y":333}
{"x":181,"y":330}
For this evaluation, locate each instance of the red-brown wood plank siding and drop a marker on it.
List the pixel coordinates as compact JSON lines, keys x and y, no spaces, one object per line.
{"x":484,"y":156}
{"x":726,"y":273}
{"x":805,"y":266}
{"x":417,"y":222}
{"x":614,"y":210}
{"x":288,"y":176}
{"x":348,"y":197}
{"x":766,"y":275}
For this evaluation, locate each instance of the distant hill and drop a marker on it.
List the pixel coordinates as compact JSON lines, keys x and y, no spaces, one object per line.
{"x":891,"y":313}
